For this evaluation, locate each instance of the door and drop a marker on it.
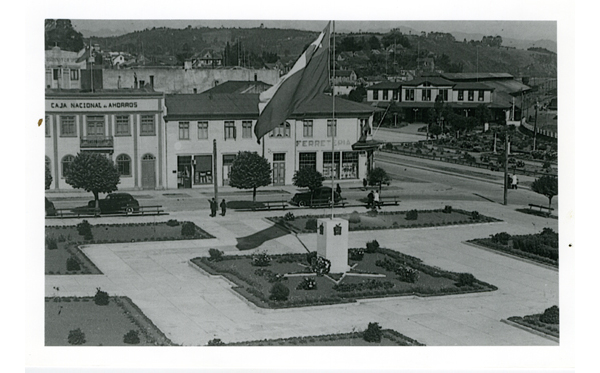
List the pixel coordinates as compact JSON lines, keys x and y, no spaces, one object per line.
{"x":279,"y":169}
{"x":148,"y":172}
{"x":227,"y":162}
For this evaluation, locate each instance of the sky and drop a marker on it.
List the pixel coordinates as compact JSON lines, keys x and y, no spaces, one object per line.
{"x":524,"y":30}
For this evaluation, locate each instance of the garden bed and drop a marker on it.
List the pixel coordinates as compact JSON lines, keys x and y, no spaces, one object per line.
{"x":536,"y":322}
{"x":392,"y":277}
{"x":386,"y":220}
{"x":102,"y":325}
{"x":388,"y":338}
{"x":541,"y":247}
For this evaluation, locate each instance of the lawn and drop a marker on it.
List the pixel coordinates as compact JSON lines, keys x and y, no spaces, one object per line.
{"x":382,"y":273}
{"x":102,"y":325}
{"x":389,"y":338}
{"x":386,"y":220}
{"x":544,"y":322}
{"x":56,"y":260}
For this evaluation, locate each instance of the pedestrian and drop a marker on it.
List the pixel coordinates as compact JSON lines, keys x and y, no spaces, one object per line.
{"x":213,"y":207}
{"x":364,"y":183}
{"x":223,"y":207}
{"x":370,"y":199}
{"x":514,"y":181}
{"x":376,"y":200}
{"x":338,"y":190}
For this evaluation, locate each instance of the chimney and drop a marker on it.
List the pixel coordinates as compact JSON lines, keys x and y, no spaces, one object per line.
{"x":152,"y":81}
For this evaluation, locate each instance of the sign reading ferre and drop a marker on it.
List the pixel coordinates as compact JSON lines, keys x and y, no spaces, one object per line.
{"x":321,"y":143}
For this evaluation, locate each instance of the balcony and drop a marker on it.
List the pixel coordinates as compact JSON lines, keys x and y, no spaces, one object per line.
{"x":97,"y":142}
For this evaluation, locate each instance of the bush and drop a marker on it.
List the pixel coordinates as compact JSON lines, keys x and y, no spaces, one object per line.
{"x":101,"y":298}
{"x":475,"y":215}
{"x":311,"y":257}
{"x":84,"y":229}
{"x":188,"y":229}
{"x":354,"y":218}
{"x":279,"y":292}
{"x":501,"y":238}
{"x":550,"y":315}
{"x":73,"y":264}
{"x":465,"y":279}
{"x":215,"y":255}
{"x":321,"y":266}
{"x":412,"y":215}
{"x":289,"y":217}
{"x":172,"y":223}
{"x":372,"y":246}
{"x":215,"y":342}
{"x":356,"y":254}
{"x":132,"y":337}
{"x":311,"y":224}
{"x":307,"y":284}
{"x":261,"y":259}
{"x":51,"y":243}
{"x":373,"y":333}
{"x":407,"y":274}
{"x":76,"y":337}
{"x":447,"y":209}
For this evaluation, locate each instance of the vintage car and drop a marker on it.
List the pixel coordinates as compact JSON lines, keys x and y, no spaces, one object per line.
{"x":319,"y":197}
{"x":116,"y":203}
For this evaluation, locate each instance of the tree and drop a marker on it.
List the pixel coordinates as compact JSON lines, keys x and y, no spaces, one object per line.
{"x":308,"y":177}
{"x":250,"y":171}
{"x":357,"y":94}
{"x":378,"y":176}
{"x":374,"y":43}
{"x":483,"y":114}
{"x":373,"y":333}
{"x":93,"y":172}
{"x":546,"y":185}
{"x":48,"y":177}
{"x":60,"y":32}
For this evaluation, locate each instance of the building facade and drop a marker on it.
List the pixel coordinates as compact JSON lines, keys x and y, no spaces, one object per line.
{"x":125,"y":125}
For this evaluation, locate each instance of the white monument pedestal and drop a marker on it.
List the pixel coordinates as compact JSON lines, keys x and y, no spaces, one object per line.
{"x":332,"y":243}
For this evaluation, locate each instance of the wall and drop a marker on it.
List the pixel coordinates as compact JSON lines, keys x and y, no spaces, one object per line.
{"x":185,"y":81}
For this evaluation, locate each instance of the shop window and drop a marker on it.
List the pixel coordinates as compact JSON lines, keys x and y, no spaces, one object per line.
{"x":203,"y":169}
{"x":230,"y":130}
{"x":184,"y":130}
{"x":349,"y":165}
{"x":124,"y":165}
{"x":328,"y":165}
{"x":307,"y":130}
{"x":66,"y":163}
{"x":331,"y":127}
{"x":307,"y":160}
{"x":148,"y":126}
{"x":67,"y":126}
{"x":247,"y":129}
{"x":122,"y":125}
{"x":202,"y":130}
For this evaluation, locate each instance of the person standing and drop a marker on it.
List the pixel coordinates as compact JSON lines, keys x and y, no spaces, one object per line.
{"x":338,"y":190}
{"x":223,"y":207}
{"x":376,"y":200}
{"x":365,"y":183}
{"x":370,"y":199}
{"x":514,"y":181}
{"x":213,"y":207}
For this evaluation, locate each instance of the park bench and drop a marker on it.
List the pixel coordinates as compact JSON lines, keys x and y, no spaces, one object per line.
{"x":144,"y":210}
{"x":325,"y":202}
{"x":388,"y":201}
{"x":268,"y":205}
{"x":548,"y":209}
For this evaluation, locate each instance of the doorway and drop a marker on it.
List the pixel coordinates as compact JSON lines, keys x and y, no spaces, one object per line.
{"x":148,"y":172}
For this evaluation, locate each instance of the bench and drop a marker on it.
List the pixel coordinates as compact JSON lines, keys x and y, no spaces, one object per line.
{"x":321,"y":203}
{"x":548,"y":209}
{"x":268,"y":205}
{"x":144,"y":210}
{"x":388,"y":201}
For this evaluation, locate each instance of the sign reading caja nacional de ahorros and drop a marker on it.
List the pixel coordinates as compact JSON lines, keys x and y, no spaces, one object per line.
{"x":107,"y":105}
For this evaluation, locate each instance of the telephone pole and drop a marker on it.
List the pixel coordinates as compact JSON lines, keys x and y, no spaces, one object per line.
{"x":506,"y":169}
{"x":215,"y":170}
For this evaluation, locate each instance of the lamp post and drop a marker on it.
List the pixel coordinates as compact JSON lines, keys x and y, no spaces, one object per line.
{"x":415,"y":110}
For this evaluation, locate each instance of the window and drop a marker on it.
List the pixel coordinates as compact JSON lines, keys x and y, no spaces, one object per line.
{"x":385,"y":95}
{"x":74,"y":74}
{"x":202,"y":130}
{"x":278,"y":157}
{"x":282,"y":130}
{"x":122,"y":125}
{"x":148,"y":127}
{"x":426,"y":95}
{"x":246,"y":129}
{"x":184,"y":130}
{"x":67,"y":125}
{"x":443,"y":93}
{"x":47,"y":127}
{"x":409,"y":95}
{"x":395,"y":95}
{"x":471,"y":95}
{"x":331,"y":127}
{"x":480,"y":96}
{"x":95,"y":125}
{"x":328,"y":166}
{"x":66,"y":163}
{"x":55,"y":74}
{"x":47,"y":163}
{"x":124,"y":165}
{"x":307,"y":160}
{"x":349,"y":165}
{"x":229,"y":130}
{"x":461,"y":95}
{"x":307,"y":128}
{"x":375,"y":94}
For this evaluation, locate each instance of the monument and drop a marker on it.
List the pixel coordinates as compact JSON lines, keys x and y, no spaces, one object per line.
{"x":332,"y":243}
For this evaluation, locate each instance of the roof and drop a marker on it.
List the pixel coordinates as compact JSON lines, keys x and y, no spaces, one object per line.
{"x":245,"y":106}
{"x":434,"y":80}
{"x":472,"y":85}
{"x":476,"y":76}
{"x":240,"y":87}
{"x":385,"y":85}
{"x":121,"y":92}
{"x":343,"y":73}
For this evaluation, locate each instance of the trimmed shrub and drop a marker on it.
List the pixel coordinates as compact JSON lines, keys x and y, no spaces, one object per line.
{"x":289,"y":217}
{"x":372,"y":246}
{"x":215,"y":255}
{"x":550,"y":315}
{"x":84,"y":229}
{"x":51,"y":243}
{"x":407,"y":274}
{"x":412,"y":215}
{"x":172,"y":223}
{"x":373,"y":333}
{"x":73,"y":264}
{"x":356,"y":254}
{"x":215,"y":342}
{"x":447,"y":209}
{"x":261,"y":259}
{"x":475,"y":215}
{"x":188,"y":229}
{"x":354,"y":218}
{"x":465,"y":279}
{"x":101,"y":298}
{"x":132,"y":337}
{"x":321,"y":266}
{"x":307,"y":284}
{"x":311,"y":257}
{"x":501,"y":238}
{"x":279,"y":292}
{"x":76,"y":337}
{"x":311,"y":224}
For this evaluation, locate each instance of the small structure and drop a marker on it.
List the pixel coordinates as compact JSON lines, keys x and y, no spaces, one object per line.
{"x":332,"y":243}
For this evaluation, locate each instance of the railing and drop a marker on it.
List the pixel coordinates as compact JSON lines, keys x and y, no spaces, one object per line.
{"x":96,"y":142}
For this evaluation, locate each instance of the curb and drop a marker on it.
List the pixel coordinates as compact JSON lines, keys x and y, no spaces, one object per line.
{"x":531,"y":330}
{"x":526,"y":260}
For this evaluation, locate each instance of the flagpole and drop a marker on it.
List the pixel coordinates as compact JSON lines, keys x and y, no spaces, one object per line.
{"x":333,"y":124}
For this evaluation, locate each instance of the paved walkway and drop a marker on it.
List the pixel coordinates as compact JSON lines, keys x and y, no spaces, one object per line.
{"x":192,"y":308}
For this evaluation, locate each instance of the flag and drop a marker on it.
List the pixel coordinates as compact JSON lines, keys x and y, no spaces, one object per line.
{"x":307,"y":79}
{"x":86,"y":54}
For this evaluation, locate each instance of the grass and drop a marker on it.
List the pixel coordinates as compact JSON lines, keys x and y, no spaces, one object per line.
{"x":56,"y":260}
{"x":388,"y":220}
{"x":255,"y":283}
{"x":102,"y":325}
{"x":542,"y":214}
{"x":389,"y":338}
{"x":533,"y":322}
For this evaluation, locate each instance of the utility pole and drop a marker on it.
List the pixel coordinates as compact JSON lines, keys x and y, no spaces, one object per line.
{"x":535,"y":125}
{"x":506,"y":168}
{"x":215,"y":170}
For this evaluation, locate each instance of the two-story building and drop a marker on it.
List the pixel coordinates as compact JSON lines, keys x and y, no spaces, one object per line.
{"x":126,"y":125}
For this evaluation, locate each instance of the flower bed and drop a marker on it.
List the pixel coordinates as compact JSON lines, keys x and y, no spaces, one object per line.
{"x":102,"y":325}
{"x":536,"y":322}
{"x":388,"y":220}
{"x":389,"y":338}
{"x":256,"y":283}
{"x":63,"y":250}
{"x":541,"y":247}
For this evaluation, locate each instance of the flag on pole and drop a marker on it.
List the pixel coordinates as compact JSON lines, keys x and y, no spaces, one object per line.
{"x":307,"y":79}
{"x":85,"y":56}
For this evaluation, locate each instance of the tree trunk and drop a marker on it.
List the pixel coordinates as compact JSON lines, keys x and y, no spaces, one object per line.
{"x":254,"y":195}
{"x":97,"y":204}
{"x":549,"y":204}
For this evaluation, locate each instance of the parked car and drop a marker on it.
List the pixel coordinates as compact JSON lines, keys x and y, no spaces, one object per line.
{"x":115,"y":203}
{"x":50,"y":209}
{"x":320,"y":196}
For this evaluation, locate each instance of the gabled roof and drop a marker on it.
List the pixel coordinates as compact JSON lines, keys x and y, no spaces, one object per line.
{"x":476,"y":76}
{"x":240,"y":87}
{"x":385,"y":85}
{"x":433,"y":80}
{"x":343,"y":73}
{"x":472,"y":85}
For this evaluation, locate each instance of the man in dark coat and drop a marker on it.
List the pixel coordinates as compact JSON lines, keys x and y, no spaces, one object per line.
{"x":370,"y":199}
{"x":223,"y":207}
{"x":213,"y":207}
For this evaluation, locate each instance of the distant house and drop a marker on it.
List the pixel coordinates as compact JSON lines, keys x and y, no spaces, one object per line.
{"x":118,"y":60}
{"x":344,"y":76}
{"x":425,"y":64}
{"x":207,"y":58}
